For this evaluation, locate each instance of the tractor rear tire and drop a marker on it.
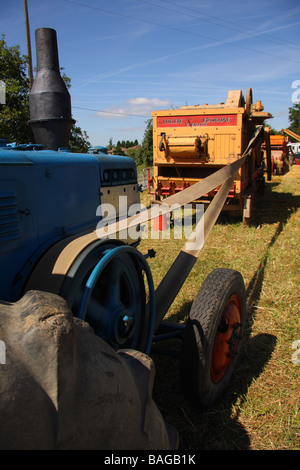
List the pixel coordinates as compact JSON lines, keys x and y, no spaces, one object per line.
{"x":63,"y":387}
{"x":212,"y":337}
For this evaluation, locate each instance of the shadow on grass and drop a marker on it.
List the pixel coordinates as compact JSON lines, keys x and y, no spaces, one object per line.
{"x":218,"y":426}
{"x":274,"y":207}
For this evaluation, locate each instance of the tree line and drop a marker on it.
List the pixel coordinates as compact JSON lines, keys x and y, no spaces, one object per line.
{"x":141,"y":154}
{"x":120,"y":145}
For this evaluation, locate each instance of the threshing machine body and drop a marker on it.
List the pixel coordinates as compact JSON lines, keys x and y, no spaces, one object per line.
{"x":279,"y":152}
{"x":192,"y":142}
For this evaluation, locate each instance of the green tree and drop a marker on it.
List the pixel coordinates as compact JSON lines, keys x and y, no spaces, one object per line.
{"x":110,"y":144}
{"x":118,"y":149}
{"x":272,"y":130}
{"x":132,"y":153}
{"x":145,"y":153}
{"x":78,"y":140}
{"x":14,"y":114}
{"x":294,"y":118}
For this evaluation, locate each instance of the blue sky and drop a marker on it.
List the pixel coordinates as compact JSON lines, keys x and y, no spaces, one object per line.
{"x":127,"y":58}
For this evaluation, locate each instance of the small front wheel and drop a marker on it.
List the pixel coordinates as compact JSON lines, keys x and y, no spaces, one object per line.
{"x":212,"y":337}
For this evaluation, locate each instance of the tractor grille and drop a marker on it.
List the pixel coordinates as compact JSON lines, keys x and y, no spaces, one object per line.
{"x":9,"y":220}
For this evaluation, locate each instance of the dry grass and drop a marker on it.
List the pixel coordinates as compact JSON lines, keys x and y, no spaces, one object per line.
{"x":260,"y":408}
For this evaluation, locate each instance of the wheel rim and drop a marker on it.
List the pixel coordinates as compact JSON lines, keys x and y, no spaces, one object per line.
{"x":113,"y":299}
{"x":226,"y":339}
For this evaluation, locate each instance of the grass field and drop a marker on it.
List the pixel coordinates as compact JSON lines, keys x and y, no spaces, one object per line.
{"x":260,"y":408}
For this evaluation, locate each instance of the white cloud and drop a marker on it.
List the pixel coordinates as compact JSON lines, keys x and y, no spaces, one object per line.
{"x":139,"y":106}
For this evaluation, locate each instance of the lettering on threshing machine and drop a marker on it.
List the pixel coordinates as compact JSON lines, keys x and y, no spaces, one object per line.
{"x":198,"y":121}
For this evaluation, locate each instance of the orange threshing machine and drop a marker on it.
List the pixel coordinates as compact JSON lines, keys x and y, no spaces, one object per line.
{"x":192,"y":142}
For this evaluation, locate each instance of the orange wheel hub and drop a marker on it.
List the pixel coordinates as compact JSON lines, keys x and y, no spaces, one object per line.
{"x":226,"y":339}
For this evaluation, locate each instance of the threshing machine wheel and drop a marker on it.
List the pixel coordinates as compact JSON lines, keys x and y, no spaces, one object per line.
{"x":105,"y":287}
{"x":212,"y":337}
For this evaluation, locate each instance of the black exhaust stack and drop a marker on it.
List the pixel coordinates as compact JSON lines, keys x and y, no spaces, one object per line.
{"x":49,"y":99}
